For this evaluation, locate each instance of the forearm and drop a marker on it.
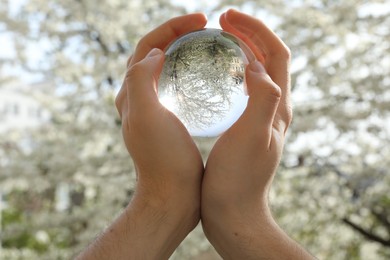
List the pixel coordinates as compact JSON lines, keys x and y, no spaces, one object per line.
{"x":145,"y":230}
{"x":236,"y":236}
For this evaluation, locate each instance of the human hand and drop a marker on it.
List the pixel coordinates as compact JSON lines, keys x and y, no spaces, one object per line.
{"x":244,"y":159}
{"x":166,"y":203}
{"x":168,"y":164}
{"x":241,"y":166}
{"x":166,"y":159}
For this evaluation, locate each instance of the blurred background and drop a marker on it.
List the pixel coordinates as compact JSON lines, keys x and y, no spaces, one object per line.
{"x":65,"y":173}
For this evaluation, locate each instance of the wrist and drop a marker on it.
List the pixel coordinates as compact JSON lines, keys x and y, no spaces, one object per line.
{"x":161,"y":228}
{"x":175,"y":192}
{"x":169,"y":197}
{"x":171,"y":206}
{"x":222,"y":220}
{"x":250,"y":234}
{"x":149,"y":228}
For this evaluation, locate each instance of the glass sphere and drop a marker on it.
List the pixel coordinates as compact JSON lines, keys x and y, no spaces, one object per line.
{"x":202,"y":81}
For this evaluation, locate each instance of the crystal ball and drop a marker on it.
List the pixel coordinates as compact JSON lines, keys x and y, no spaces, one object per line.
{"x":202,"y":80}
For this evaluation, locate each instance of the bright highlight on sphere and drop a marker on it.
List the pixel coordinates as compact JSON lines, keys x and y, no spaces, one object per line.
{"x":202,"y":81}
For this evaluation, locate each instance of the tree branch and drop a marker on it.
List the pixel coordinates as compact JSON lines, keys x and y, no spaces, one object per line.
{"x":96,"y":37}
{"x":367,"y":234}
{"x":382,"y":218}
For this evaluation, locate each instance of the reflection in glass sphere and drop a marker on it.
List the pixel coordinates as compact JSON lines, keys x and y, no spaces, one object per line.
{"x":202,"y":81}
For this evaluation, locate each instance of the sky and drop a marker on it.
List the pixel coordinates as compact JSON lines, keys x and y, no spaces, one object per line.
{"x":7,"y":50}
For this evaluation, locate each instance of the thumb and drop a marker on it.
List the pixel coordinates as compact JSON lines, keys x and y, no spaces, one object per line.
{"x":142,"y":77}
{"x":264,"y":96}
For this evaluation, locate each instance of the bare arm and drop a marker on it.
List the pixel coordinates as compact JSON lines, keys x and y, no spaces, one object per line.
{"x":241,"y":166}
{"x":166,"y":203}
{"x":145,"y":230}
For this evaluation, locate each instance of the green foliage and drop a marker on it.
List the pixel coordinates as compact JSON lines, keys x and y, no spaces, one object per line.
{"x":20,"y":236}
{"x":25,"y":240}
{"x":10,"y":216}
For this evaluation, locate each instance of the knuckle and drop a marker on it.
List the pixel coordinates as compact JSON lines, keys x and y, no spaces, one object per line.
{"x":141,"y":42}
{"x":286,"y":52}
{"x":118,"y":103}
{"x":119,"y":99}
{"x":274,"y":95}
{"x":129,"y":61}
{"x":273,"y":91}
{"x":143,"y":45}
{"x":134,"y":71}
{"x":283,"y":52}
{"x":288,"y":115}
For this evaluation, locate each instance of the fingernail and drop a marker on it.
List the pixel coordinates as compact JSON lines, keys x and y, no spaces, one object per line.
{"x":256,"y":66}
{"x":154,"y":52}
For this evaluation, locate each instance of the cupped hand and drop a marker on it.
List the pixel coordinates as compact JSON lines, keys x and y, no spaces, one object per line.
{"x":168,"y":164}
{"x":166,"y":203}
{"x":242,"y":163}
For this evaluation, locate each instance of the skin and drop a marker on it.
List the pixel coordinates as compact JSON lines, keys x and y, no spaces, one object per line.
{"x":166,"y":203}
{"x":243,"y":162}
{"x":174,"y":190}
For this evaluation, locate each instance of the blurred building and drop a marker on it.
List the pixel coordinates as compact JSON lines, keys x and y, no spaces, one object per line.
{"x":22,"y":106}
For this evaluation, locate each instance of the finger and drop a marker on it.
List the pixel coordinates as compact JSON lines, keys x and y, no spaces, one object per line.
{"x":264,"y":96}
{"x":121,"y":96}
{"x":167,"y":32}
{"x":256,"y":31}
{"x":141,"y":81}
{"x":129,"y":61}
{"x":275,"y":52}
{"x":259,"y":54}
{"x":160,"y":38}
